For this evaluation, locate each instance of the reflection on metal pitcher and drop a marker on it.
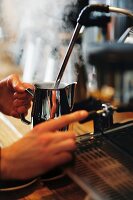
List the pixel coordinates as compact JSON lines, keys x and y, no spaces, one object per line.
{"x":49,"y":103}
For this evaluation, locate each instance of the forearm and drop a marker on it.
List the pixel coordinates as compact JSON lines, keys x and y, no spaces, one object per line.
{"x":3,"y":165}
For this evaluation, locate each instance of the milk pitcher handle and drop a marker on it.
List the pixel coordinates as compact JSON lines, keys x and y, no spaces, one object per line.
{"x":22,"y":117}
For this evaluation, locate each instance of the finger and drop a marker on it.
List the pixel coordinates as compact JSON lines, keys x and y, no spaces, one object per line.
{"x":30,"y":86}
{"x":23,"y":95}
{"x":18,"y":103}
{"x":22,"y":109}
{"x":15,"y":114}
{"x":17,"y":85}
{"x":64,"y":120}
{"x":66,"y":145}
{"x":63,"y":135}
{"x":52,"y":138}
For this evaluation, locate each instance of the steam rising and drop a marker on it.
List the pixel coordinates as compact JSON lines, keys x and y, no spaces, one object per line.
{"x":36,"y":16}
{"x":34,"y":26}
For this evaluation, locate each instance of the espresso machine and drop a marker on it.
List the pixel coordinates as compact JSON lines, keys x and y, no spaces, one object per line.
{"x":103,"y":162}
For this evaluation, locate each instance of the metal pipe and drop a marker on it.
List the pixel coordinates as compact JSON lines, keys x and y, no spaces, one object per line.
{"x":121,"y":11}
{"x":68,"y":53}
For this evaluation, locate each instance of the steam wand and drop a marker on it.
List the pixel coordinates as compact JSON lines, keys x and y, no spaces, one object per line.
{"x":82,"y":20}
{"x":69,"y":51}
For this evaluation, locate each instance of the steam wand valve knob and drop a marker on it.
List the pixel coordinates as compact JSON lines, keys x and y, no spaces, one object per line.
{"x":84,"y":17}
{"x":103,"y":118}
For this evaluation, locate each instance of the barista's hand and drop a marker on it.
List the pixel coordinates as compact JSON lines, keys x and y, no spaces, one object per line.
{"x":13,"y":98}
{"x":40,"y":150}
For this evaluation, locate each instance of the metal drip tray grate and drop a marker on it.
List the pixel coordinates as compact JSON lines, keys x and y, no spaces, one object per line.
{"x":131,"y":31}
{"x":103,"y":169}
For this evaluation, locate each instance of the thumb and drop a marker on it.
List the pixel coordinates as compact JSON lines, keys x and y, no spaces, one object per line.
{"x":15,"y":84}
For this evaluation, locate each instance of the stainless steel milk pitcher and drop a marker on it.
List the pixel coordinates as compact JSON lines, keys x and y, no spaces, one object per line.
{"x":49,"y":102}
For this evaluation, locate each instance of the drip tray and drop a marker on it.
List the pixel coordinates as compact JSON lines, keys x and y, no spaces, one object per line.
{"x":103,"y":169}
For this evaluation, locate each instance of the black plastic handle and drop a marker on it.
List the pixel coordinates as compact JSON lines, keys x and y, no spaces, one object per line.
{"x":22,"y":117}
